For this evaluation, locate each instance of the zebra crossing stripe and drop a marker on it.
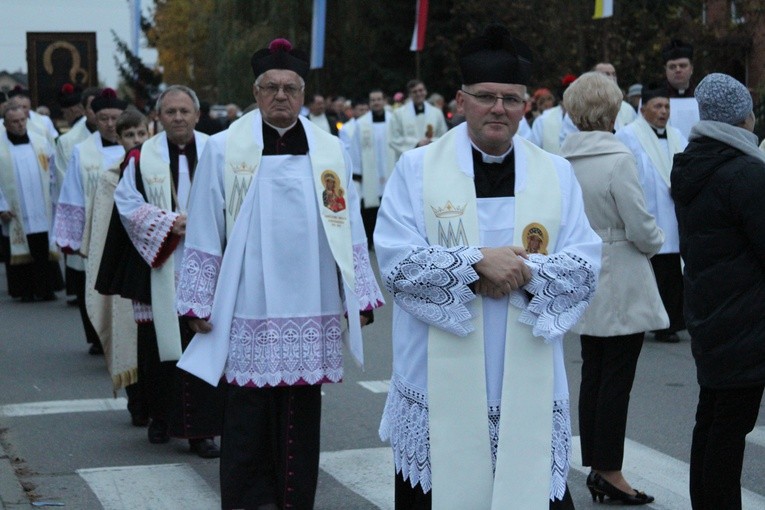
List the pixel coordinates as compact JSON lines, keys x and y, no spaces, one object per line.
{"x":163,"y":486}
{"x":376,"y":386}
{"x":368,"y":472}
{"x":660,"y":475}
{"x":64,"y":406}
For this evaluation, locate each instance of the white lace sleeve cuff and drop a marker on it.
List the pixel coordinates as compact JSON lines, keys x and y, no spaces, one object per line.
{"x":562,"y":286}
{"x":196,"y":285}
{"x":432,"y":285}
{"x":149,"y":228}
{"x":367,"y":290}
{"x":69,"y":226}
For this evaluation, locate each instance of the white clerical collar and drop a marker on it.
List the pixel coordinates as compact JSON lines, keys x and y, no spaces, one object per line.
{"x":279,"y":130}
{"x":489,"y":158}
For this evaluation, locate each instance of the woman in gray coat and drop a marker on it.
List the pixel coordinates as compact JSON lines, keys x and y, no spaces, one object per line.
{"x":627,"y":301}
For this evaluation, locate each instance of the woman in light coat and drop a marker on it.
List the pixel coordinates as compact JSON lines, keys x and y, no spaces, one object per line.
{"x":627,"y":301}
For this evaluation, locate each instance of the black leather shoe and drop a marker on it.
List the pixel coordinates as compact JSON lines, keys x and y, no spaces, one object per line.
{"x":205,"y":448}
{"x":158,"y":432}
{"x":602,"y":487}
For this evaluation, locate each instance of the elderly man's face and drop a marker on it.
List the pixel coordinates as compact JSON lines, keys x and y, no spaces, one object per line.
{"x":655,"y":111}
{"x":280,"y":95}
{"x":679,"y":72}
{"x":492,"y":128}
{"x":106,"y":122}
{"x":16,"y":122}
{"x":178,"y":116}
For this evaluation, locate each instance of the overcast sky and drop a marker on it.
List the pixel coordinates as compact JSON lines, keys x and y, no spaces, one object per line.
{"x":17,"y":17}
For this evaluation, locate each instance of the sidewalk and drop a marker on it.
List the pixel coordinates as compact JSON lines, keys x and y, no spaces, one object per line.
{"x":12,"y":496}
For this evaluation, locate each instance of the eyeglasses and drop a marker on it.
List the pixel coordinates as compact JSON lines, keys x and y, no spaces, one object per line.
{"x":508,"y":102}
{"x":272,"y":89}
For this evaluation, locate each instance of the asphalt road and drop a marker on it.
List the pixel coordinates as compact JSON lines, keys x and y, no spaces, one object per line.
{"x":80,"y":450}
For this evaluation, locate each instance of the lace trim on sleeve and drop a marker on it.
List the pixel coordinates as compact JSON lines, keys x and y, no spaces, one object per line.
{"x":367,"y":290}
{"x":432,"y":285}
{"x":196,"y":287}
{"x":149,"y":229}
{"x":562,"y":285}
{"x":69,"y":225}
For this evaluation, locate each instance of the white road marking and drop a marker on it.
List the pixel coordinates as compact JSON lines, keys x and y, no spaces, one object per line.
{"x":376,"y":386}
{"x":158,"y":487}
{"x":659,"y":475}
{"x":367,"y":472}
{"x":64,"y":406}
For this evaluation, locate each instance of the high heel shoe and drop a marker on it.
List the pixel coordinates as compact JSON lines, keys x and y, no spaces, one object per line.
{"x":601,"y":487}
{"x":591,"y":486}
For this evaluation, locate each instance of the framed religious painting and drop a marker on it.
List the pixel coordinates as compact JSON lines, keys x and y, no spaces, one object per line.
{"x":56,"y":58}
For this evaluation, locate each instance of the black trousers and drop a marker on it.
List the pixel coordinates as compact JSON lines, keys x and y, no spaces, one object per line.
{"x":669,"y":279}
{"x":608,"y":371}
{"x":413,"y":498}
{"x":369,"y":218}
{"x":192,"y":408}
{"x":723,"y":419}
{"x":78,"y":285}
{"x":270,"y":447}
{"x":39,"y":278}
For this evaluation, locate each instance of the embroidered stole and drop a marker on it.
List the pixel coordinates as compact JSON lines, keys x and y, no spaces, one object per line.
{"x":661,"y":159}
{"x":460,"y":448}
{"x":157,"y":182}
{"x":18,"y":237}
{"x":91,"y":166}
{"x":370,"y":178}
{"x":206,"y":356}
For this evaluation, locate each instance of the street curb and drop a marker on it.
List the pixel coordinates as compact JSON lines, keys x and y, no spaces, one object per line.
{"x":12,"y":495}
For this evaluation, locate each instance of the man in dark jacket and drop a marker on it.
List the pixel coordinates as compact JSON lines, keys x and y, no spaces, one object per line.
{"x":718,"y":185}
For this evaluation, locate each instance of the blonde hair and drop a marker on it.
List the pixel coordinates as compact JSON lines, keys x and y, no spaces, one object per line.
{"x":593,"y":102}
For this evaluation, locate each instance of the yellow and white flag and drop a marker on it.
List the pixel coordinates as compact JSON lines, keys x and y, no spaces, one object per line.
{"x":603,"y":9}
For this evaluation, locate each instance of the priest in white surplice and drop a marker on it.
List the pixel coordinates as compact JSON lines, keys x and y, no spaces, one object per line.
{"x":276,"y":258}
{"x":417,"y":122}
{"x":483,"y":212}
{"x":97,"y":153}
{"x":654,"y":143}
{"x":373,"y":157}
{"x":678,"y":66}
{"x":27,"y":197}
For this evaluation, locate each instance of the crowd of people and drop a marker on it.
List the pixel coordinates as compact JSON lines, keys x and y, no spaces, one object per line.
{"x":221,"y":272}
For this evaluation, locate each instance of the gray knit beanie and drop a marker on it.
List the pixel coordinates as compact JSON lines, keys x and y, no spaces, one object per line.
{"x":724,"y":99}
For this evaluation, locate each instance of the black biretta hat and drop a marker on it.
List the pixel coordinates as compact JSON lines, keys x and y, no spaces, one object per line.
{"x":69,"y":95}
{"x":653,"y":91}
{"x":677,"y":49}
{"x":18,"y":90}
{"x":280,"y":55}
{"x":107,"y":99}
{"x":495,"y":56}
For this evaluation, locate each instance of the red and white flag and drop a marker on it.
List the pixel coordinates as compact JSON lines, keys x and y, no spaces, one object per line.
{"x":420,"y":24}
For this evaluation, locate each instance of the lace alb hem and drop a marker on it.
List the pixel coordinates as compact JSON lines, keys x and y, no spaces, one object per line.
{"x":148,"y":228}
{"x":562,"y":285}
{"x":431,"y":284}
{"x":367,"y":290}
{"x":196,"y":287}
{"x":142,"y":312}
{"x":405,"y":424}
{"x":273,"y":352}
{"x":69,"y":226}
